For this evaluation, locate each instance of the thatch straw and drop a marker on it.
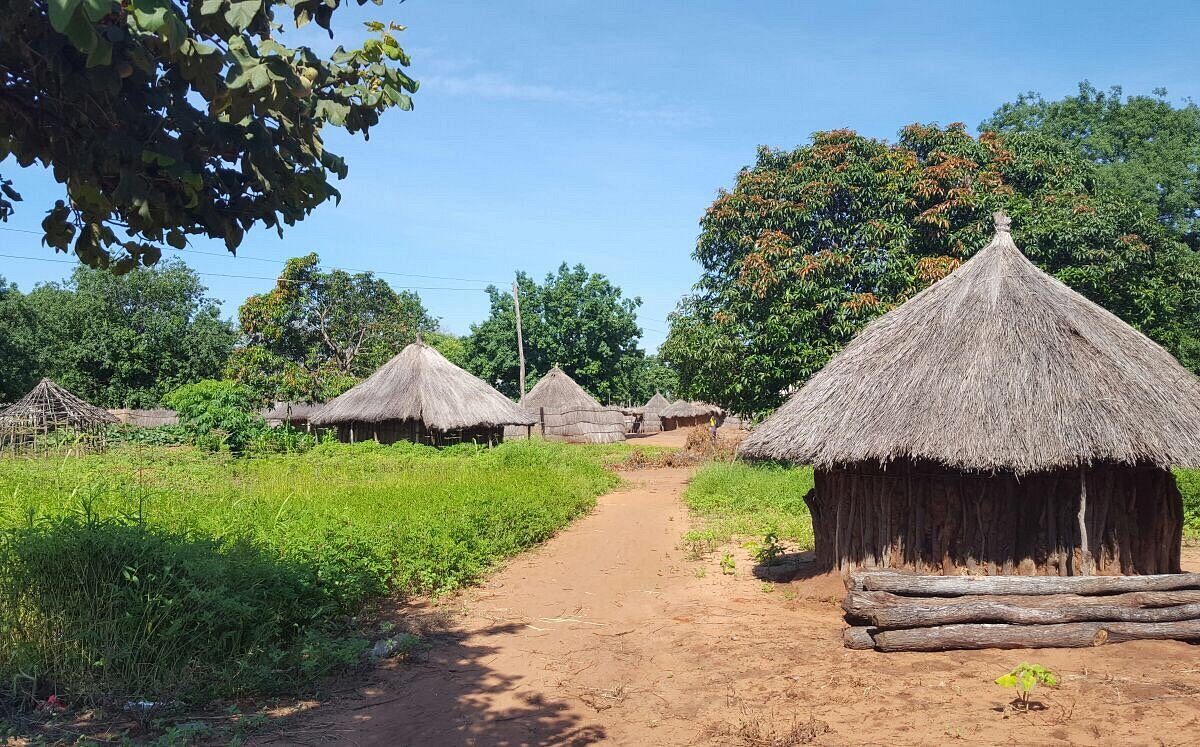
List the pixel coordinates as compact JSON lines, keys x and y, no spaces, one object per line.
{"x":683,"y":410}
{"x":151,"y":418}
{"x":422,"y":386}
{"x":997,"y":367}
{"x":650,"y":414}
{"x":290,"y":412}
{"x":565,"y":411}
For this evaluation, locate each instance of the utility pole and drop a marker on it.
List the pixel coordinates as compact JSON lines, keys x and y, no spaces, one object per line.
{"x":520,"y":341}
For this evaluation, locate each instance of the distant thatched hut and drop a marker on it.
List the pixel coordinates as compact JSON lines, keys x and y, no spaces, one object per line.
{"x":297,"y":415}
{"x":563,"y":411}
{"x":649,"y":415}
{"x":420,"y":396}
{"x":151,"y":418}
{"x":683,"y":414}
{"x":50,"y":409}
{"x":999,"y":423}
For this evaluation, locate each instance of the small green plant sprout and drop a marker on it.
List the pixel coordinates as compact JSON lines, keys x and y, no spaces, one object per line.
{"x":1024,"y":678}
{"x":770,"y":550}
{"x":728,"y":564}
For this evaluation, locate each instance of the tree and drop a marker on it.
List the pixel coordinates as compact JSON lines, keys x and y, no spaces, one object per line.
{"x":813,"y":243}
{"x":316,"y":332}
{"x":1141,"y":145}
{"x":165,"y":120}
{"x":574,"y":319}
{"x":18,"y":351}
{"x":217,"y":413}
{"x":121,"y":340}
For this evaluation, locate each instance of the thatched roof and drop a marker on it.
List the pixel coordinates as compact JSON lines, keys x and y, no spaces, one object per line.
{"x":684,"y":409}
{"x":419,"y":384}
{"x":290,"y":411}
{"x":49,"y":406}
{"x":997,"y":367}
{"x":656,"y":404}
{"x":558,"y":391}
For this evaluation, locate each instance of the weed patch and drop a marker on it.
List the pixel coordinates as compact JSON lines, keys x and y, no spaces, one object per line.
{"x":740,"y":500}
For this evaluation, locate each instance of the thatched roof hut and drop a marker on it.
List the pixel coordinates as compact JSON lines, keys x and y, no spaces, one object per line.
{"x":565,"y":412}
{"x":650,"y":414}
{"x":683,"y":414}
{"x":49,"y":408}
{"x":295,"y":414}
{"x":420,"y":396}
{"x":997,"y":422}
{"x":148,"y":418}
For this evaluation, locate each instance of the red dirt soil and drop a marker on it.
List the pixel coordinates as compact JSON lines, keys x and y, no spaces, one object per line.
{"x":608,"y":634}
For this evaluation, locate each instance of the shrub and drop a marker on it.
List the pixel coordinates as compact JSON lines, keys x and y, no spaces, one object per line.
{"x":217,"y":413}
{"x":749,"y":500}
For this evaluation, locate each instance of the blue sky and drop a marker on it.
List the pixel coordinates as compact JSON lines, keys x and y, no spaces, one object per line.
{"x":599,"y":132}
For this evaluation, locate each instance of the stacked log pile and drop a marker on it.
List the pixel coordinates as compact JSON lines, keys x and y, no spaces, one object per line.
{"x":890,"y":611}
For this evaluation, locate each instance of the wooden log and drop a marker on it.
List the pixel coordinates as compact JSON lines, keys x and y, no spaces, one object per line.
{"x":858,"y":638}
{"x":1025,"y":585}
{"x":1065,"y":635}
{"x":861,"y":603}
{"x":970,"y":611}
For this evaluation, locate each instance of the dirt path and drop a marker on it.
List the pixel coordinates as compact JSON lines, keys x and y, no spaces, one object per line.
{"x":609,"y":634}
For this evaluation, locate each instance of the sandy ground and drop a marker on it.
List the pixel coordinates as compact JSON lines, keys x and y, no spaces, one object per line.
{"x":608,"y":634}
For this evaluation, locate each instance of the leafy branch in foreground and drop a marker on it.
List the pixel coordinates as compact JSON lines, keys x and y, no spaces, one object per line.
{"x":167,"y":120}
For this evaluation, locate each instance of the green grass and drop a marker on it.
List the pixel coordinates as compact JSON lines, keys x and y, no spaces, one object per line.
{"x":1188,"y":481}
{"x":174,"y":573}
{"x":738,"y":500}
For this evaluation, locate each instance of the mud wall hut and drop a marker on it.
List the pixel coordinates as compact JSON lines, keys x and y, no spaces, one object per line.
{"x":683,"y":414}
{"x":649,"y":415}
{"x":997,"y":423}
{"x":420,"y":396}
{"x":564,"y":411}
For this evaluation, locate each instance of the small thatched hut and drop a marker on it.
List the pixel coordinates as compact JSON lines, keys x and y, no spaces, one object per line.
{"x":650,"y":414}
{"x":420,"y":396}
{"x":1000,"y":423}
{"x":684,"y":414}
{"x":297,"y":415}
{"x":48,"y":408}
{"x":563,"y":411}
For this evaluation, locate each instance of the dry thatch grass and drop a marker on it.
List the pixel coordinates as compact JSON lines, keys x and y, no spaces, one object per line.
{"x":420,"y":385}
{"x":566,"y":412}
{"x":997,"y":367}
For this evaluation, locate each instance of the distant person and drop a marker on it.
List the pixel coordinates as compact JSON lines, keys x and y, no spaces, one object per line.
{"x":712,"y":428}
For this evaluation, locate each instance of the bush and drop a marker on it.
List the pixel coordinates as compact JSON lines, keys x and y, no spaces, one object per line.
{"x":749,"y":500}
{"x":1188,"y":481}
{"x":217,"y":413}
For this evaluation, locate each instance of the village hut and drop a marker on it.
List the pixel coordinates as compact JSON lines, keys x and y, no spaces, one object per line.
{"x":296,"y":415}
{"x":563,"y":411}
{"x":997,"y":423}
{"x":683,"y":414}
{"x":650,"y":414}
{"x":47,"y":409}
{"x":147,"y":418}
{"x":422,"y":397}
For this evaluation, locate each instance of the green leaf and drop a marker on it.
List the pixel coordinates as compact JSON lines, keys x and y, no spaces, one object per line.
{"x":61,"y":12}
{"x":97,"y":9}
{"x":177,"y":239}
{"x":211,"y":7}
{"x":101,"y":54}
{"x":1007,"y":680}
{"x":241,"y":14}
{"x":82,"y":33}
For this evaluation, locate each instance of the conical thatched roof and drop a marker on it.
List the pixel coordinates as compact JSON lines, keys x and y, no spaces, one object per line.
{"x":656,"y":404}
{"x":419,"y":384}
{"x":49,"y":406}
{"x":997,"y":367}
{"x":559,"y":391}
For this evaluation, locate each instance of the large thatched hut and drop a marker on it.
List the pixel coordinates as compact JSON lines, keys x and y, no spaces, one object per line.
{"x":420,"y":396}
{"x":563,"y":411}
{"x":998,"y":422}
{"x":47,"y":409}
{"x":684,"y":414}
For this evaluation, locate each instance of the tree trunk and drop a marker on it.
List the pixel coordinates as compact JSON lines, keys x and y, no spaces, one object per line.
{"x":1067,"y":635}
{"x":857,"y":603}
{"x":1023,"y":585}
{"x":971,"y":610}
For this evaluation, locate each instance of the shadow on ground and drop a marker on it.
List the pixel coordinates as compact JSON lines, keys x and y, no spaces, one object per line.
{"x":445,"y":695}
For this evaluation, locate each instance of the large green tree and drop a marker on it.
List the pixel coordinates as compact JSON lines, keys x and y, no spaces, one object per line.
{"x":318,"y":331}
{"x":116,"y":340}
{"x":574,"y":319}
{"x":1142,"y":145}
{"x":164,"y":119}
{"x":813,"y":243}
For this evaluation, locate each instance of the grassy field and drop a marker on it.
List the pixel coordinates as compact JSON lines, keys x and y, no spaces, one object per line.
{"x":739,"y":500}
{"x":174,"y":573}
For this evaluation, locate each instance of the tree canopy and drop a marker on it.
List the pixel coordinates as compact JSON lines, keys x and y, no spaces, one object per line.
{"x":317,"y":332}
{"x":813,"y":243}
{"x":115,"y":340}
{"x":1141,"y":145}
{"x":574,"y":319}
{"x":166,"y":120}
